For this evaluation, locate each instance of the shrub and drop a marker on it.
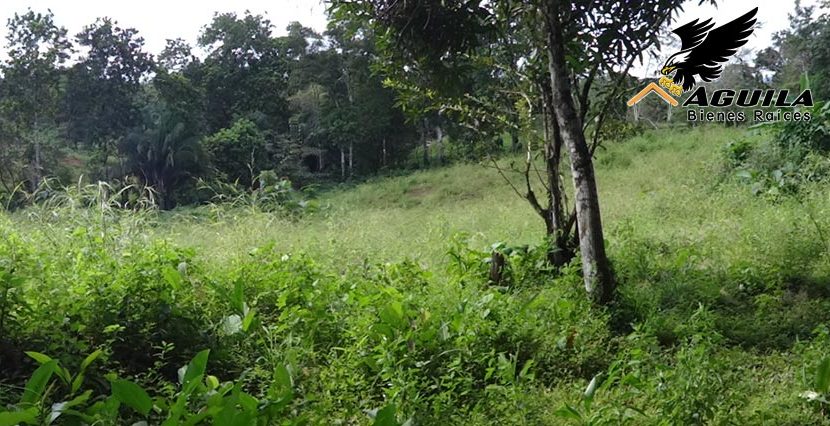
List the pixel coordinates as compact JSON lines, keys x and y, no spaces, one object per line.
{"x":239,"y":152}
{"x":271,"y":195}
{"x":797,"y":154}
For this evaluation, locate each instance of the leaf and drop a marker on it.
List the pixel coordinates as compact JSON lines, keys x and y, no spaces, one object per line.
{"x":282,"y":389}
{"x":172,"y":276}
{"x":248,"y":320}
{"x":176,"y":411}
{"x":79,"y":378}
{"x":386,"y":416}
{"x":37,"y":383}
{"x":43,"y":359}
{"x":238,"y":296}
{"x":90,"y":359}
{"x":39,"y":357}
{"x":12,"y":418}
{"x":63,"y":374}
{"x":196,"y":368}
{"x":77,"y":382}
{"x":247,"y":402}
{"x":567,"y":412}
{"x":633,"y":412}
{"x":823,"y":376}
{"x":283,"y":377}
{"x":525,"y":371}
{"x":392,"y":314}
{"x":592,"y":387}
{"x":132,"y":395}
{"x":62,"y":407}
{"x":212,"y":382}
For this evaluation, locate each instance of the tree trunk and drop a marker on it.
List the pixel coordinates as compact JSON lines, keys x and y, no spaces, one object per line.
{"x":105,"y":160}
{"x":497,"y":262}
{"x":163,"y":203}
{"x":596,"y":268}
{"x":383,"y":154}
{"x":439,"y":143}
{"x":351,"y":159}
{"x":514,"y":141}
{"x":555,"y":223}
{"x":424,"y":143}
{"x":342,"y":164}
{"x":37,"y":166}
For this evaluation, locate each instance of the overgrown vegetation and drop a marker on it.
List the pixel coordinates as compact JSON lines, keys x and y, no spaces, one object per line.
{"x":195,"y":283}
{"x":796,"y":157}
{"x":721,"y":317}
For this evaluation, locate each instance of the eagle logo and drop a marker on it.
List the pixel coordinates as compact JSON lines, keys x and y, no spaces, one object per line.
{"x":703,"y":52}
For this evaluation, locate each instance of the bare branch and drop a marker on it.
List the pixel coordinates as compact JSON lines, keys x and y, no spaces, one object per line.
{"x":586,"y":89}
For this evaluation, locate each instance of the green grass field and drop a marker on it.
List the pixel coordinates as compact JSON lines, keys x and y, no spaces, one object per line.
{"x":371,"y":302}
{"x":666,"y":185}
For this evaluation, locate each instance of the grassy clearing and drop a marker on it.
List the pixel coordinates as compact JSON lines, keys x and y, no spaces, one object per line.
{"x":410,"y":217}
{"x":663,"y":183}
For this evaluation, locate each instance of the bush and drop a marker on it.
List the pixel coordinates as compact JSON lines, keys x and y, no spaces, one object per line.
{"x":239,"y":152}
{"x":797,"y":154}
{"x":271,"y":195}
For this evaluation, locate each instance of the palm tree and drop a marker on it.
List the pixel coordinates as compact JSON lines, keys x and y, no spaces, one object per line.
{"x":164,"y":155}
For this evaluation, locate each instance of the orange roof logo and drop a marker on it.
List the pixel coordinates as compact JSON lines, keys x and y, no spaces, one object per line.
{"x":652,"y":87}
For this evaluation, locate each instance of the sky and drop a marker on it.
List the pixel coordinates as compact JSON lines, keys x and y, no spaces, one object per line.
{"x":159,"y":20}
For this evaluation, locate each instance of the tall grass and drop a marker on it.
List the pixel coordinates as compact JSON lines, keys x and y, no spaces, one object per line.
{"x":666,"y":184}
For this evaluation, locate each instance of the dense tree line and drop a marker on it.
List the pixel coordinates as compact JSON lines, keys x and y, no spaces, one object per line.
{"x":305,"y":105}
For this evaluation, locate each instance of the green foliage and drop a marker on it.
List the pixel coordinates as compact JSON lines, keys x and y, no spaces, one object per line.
{"x":13,"y":306}
{"x":166,"y":154}
{"x":118,"y":111}
{"x":199,"y":398}
{"x":808,"y":136}
{"x":467,"y":147}
{"x":376,"y":311}
{"x":271,"y":195}
{"x":796,"y":155}
{"x":244,"y":72}
{"x":29,"y":98}
{"x":619,"y":130}
{"x":102,"y":86}
{"x":800,"y":49}
{"x":239,"y":152}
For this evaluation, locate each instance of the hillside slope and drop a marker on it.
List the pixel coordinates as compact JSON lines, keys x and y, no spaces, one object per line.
{"x":663,"y":181}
